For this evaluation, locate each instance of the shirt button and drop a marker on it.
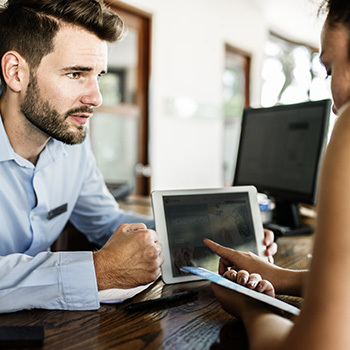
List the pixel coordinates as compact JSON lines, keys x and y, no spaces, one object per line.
{"x":33,"y":217}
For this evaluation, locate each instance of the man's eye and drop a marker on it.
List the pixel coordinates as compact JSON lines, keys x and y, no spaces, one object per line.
{"x":100,"y":75}
{"x":74,"y":75}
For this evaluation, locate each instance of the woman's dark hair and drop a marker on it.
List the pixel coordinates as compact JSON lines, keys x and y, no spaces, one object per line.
{"x":338,"y":12}
{"x":29,"y":26}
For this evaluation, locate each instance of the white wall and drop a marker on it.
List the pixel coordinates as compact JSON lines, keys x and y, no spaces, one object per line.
{"x":187,"y":62}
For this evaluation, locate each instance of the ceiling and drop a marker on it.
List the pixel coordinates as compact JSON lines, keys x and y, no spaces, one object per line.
{"x":294,"y":19}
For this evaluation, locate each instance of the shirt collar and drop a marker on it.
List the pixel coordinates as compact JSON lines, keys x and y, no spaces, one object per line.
{"x":53,"y":150}
{"x":6,"y":150}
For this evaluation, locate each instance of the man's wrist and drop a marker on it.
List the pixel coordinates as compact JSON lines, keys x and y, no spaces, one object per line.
{"x":98,"y":270}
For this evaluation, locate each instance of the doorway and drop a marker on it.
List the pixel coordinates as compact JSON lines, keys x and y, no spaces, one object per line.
{"x":236,"y":98}
{"x":119,"y":129}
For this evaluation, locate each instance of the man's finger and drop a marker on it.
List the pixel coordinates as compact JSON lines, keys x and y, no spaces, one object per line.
{"x":134,"y":227}
{"x":271,"y":250}
{"x":269,"y":237}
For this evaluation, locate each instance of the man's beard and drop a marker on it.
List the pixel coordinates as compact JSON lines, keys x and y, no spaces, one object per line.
{"x":47,"y":119}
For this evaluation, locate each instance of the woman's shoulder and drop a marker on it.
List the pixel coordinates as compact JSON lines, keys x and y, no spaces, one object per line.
{"x":341,"y":131}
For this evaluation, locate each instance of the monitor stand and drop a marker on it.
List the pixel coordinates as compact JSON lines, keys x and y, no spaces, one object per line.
{"x":286,"y":220}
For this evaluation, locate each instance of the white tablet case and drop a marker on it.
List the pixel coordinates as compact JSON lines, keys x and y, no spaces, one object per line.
{"x":183,"y":218}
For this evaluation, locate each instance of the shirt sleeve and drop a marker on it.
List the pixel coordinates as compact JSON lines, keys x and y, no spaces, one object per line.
{"x":48,"y":280}
{"x":96,"y":212}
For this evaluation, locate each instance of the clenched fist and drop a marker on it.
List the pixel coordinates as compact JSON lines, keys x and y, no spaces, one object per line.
{"x":131,"y":257}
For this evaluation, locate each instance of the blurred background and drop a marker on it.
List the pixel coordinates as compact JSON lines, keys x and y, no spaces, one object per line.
{"x":179,"y":81}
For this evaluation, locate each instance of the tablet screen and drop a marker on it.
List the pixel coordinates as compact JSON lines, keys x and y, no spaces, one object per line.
{"x":225,"y":218}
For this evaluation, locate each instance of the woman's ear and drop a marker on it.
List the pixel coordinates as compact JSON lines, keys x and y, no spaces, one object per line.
{"x":15,"y":71}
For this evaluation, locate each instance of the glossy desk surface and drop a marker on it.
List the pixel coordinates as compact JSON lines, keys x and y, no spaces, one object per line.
{"x":198,"y":323}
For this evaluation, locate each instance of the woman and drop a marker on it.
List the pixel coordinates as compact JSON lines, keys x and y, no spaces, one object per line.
{"x":325,"y":316}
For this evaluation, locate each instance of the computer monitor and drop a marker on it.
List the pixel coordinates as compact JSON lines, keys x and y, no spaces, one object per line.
{"x":279,"y":152}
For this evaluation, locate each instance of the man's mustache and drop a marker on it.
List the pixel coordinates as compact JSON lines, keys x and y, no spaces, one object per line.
{"x":78,"y":110}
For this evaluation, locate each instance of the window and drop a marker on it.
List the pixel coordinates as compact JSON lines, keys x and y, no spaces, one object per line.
{"x":292,"y":73}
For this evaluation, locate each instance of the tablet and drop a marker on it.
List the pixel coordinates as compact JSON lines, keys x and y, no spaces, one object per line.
{"x":214,"y":277}
{"x":229,"y":216}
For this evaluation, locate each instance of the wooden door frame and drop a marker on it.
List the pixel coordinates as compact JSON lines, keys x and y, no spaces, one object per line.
{"x":247,"y":57}
{"x":142,"y":21}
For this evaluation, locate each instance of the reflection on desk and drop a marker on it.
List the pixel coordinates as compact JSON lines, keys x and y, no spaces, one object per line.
{"x":199,"y":323}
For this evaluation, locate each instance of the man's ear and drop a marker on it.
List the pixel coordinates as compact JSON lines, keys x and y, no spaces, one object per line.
{"x":15,"y":71}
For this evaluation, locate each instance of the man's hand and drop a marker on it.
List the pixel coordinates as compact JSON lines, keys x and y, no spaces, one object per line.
{"x":271,"y":246}
{"x":131,"y":257}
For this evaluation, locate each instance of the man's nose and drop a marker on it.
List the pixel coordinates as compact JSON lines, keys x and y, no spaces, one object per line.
{"x":92,"y":96}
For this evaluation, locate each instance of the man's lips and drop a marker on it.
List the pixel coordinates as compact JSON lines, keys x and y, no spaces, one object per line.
{"x":81,"y":118}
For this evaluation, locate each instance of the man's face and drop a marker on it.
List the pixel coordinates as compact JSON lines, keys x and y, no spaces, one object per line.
{"x":63,"y":90}
{"x":335,"y":56}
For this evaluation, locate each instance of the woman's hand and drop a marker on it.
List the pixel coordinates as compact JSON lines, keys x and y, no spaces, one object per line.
{"x":238,"y":260}
{"x":235,"y":303}
{"x":251,"y":281}
{"x":285,"y":281}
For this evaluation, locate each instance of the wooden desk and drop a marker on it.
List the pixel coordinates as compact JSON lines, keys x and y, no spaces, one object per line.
{"x":197,"y":324}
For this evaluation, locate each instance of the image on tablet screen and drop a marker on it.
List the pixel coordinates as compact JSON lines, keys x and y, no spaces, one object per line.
{"x":224,"y":218}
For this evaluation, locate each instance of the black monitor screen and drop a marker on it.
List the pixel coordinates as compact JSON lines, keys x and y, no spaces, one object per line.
{"x":280,"y":150}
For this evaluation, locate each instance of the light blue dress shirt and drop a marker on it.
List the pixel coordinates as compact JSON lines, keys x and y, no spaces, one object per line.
{"x":31,"y":276}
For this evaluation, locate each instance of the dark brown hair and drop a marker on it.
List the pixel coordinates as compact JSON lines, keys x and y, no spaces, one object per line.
{"x":338,"y":12}
{"x":29,"y":26}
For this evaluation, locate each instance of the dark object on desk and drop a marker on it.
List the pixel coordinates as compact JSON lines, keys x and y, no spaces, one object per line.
{"x":120,"y":190}
{"x":162,"y":301}
{"x":280,"y":231}
{"x":21,"y":337}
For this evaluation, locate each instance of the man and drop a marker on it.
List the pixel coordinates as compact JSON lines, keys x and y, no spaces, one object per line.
{"x":325,"y":313}
{"x":52,"y":54}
